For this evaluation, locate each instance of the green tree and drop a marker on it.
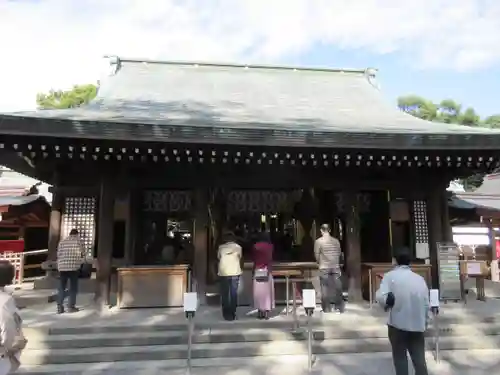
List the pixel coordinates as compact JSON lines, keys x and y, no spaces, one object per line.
{"x":472,"y":182}
{"x":77,"y":96}
{"x":492,"y":121}
{"x":449,"y":111}
{"x":470,"y":118}
{"x":418,"y":107}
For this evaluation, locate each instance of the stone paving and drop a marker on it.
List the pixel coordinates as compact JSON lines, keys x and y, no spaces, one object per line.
{"x":453,"y":363}
{"x":43,"y":316}
{"x":456,"y":363}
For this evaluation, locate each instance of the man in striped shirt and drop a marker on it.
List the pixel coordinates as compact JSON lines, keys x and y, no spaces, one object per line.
{"x":70,"y":256}
{"x":328,"y":253}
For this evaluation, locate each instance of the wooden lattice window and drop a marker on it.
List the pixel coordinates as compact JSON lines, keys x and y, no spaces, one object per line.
{"x":421,"y":229}
{"x":167,"y":201}
{"x":80,"y":213}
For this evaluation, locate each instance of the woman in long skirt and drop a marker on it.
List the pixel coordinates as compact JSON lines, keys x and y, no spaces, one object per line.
{"x":263,"y":283}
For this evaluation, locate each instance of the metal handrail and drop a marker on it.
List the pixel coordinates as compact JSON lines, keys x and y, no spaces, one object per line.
{"x":34,"y":252}
{"x":294,"y":281}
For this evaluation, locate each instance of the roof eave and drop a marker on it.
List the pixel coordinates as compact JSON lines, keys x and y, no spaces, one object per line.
{"x":127,"y":131}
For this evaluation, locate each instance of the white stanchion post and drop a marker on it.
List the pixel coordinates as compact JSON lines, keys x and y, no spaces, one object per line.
{"x":190,"y":307}
{"x":434,"y":304}
{"x":309,"y":303}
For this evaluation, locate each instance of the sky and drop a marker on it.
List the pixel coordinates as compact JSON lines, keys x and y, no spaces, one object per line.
{"x":438,"y":49}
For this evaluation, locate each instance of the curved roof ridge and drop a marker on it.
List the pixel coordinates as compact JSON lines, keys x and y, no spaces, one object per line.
{"x":116,"y":60}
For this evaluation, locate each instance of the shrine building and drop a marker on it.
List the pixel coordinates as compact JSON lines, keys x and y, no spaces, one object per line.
{"x":172,"y":154}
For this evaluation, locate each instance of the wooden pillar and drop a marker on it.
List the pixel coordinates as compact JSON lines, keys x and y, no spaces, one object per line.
{"x":105,"y":240}
{"x":435,"y":225}
{"x":494,"y":269}
{"x":55,"y":222}
{"x":200,"y":242}
{"x":353,"y":246}
{"x":130,"y":228}
{"x":446,"y":224}
{"x":306,"y":212}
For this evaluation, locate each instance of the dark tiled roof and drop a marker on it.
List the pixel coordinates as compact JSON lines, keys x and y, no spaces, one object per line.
{"x":153,"y":100}
{"x":19,"y":200}
{"x":16,"y":191}
{"x":487,"y":196}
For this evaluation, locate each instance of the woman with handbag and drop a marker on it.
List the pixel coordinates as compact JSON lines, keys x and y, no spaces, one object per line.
{"x":263,"y":283}
{"x":12,"y":339}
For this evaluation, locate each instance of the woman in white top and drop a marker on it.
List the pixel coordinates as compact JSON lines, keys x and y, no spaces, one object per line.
{"x":12,"y":340}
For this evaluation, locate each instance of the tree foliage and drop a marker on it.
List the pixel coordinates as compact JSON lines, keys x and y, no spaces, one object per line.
{"x":448,"y":111}
{"x":418,"y":107}
{"x":492,"y":121}
{"x":77,"y":96}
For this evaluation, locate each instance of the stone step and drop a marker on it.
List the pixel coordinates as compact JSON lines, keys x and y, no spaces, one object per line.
{"x":237,"y":349}
{"x":291,"y":365}
{"x":341,"y":323}
{"x":153,"y":337}
{"x":459,"y":362}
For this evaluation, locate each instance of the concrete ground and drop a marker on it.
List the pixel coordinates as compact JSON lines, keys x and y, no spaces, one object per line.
{"x":452,"y":363}
{"x":478,"y":362}
{"x":43,"y":315}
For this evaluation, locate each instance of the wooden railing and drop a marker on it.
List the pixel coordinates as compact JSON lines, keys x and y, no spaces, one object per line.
{"x":18,"y":260}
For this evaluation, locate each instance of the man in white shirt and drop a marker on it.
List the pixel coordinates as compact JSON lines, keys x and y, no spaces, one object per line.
{"x":229,"y":254}
{"x":406,"y":296}
{"x":12,"y":340}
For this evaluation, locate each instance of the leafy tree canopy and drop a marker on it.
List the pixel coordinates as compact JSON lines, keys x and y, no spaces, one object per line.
{"x":493,"y":121}
{"x":77,"y":96}
{"x":418,"y":107}
{"x":448,"y":111}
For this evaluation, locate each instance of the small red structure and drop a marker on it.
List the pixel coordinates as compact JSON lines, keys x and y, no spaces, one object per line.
{"x":14,"y":246}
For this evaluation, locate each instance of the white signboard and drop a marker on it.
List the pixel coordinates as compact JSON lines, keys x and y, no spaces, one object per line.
{"x":309,"y":298}
{"x":473,"y":268}
{"x":190,"y":302}
{"x":422,"y":250}
{"x":434,"y":297}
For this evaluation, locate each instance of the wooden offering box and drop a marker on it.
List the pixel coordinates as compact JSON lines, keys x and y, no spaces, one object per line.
{"x":152,"y":286}
{"x":372,"y":274}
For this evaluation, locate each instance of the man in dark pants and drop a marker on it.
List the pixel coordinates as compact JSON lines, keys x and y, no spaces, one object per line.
{"x":70,"y":257}
{"x":328,"y":252}
{"x":405,"y":295}
{"x":229,"y":254}
{"x":229,"y":296}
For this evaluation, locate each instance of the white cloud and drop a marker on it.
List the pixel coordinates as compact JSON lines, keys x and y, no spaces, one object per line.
{"x":56,"y":43}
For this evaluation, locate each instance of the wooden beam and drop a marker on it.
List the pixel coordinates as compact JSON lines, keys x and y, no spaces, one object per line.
{"x":55,"y":222}
{"x":435,"y":226}
{"x":105,"y":240}
{"x":446,"y":223}
{"x":130,"y":228}
{"x":353,"y":246}
{"x":494,"y":271}
{"x":200,"y":256}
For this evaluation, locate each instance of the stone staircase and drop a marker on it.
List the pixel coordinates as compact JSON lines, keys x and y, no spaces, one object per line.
{"x":80,"y":349}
